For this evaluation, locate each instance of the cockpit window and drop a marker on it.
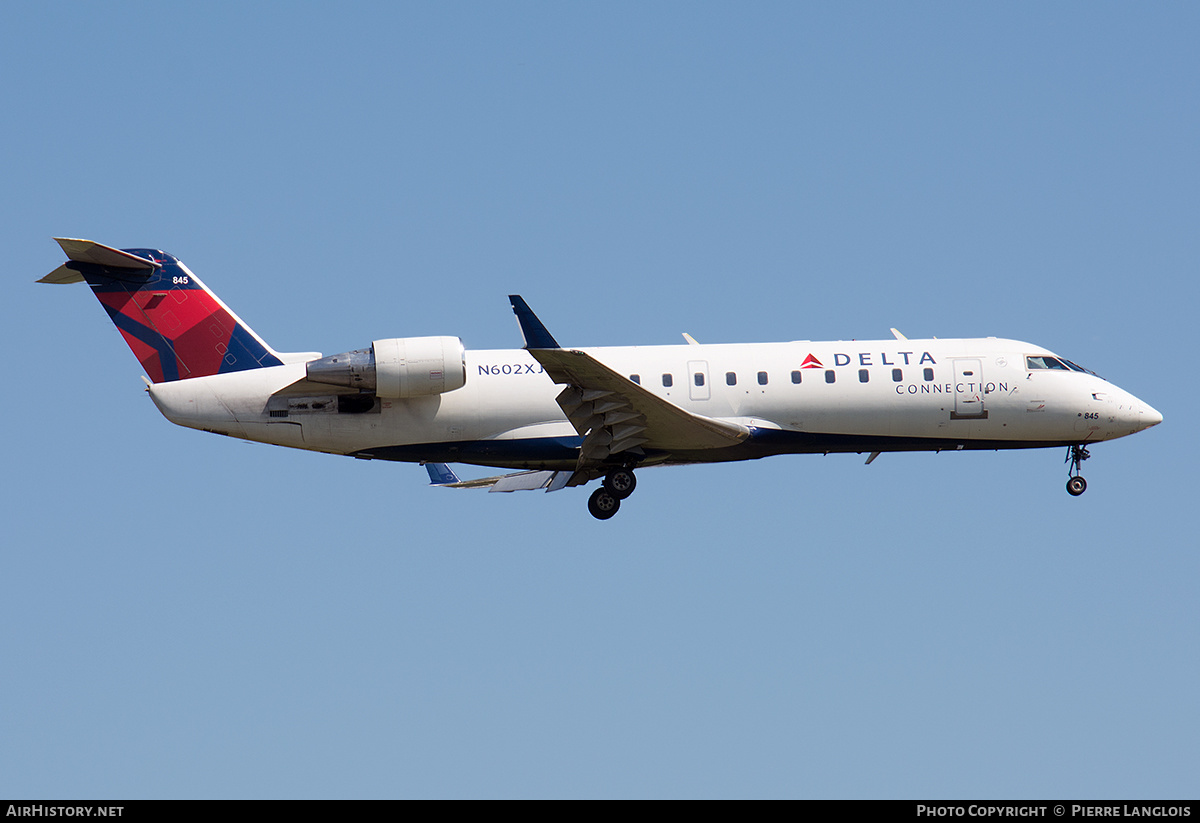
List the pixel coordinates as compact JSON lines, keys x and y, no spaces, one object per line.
{"x":1077,"y":367}
{"x":1045,"y":361}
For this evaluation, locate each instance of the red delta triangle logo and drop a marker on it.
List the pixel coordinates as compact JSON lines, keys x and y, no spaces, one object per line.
{"x":811,"y":362}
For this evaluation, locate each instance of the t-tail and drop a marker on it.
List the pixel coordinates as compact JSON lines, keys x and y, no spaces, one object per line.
{"x":174,"y":325}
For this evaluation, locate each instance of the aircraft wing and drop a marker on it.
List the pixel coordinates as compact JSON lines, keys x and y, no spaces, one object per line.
{"x":444,"y":477}
{"x":611,"y":412}
{"x":598,"y":400}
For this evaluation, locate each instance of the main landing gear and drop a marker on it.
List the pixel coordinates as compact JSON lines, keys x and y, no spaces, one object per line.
{"x":606,"y":500}
{"x":1076,"y":485}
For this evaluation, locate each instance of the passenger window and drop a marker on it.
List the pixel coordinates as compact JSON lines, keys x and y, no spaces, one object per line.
{"x":636,"y":378}
{"x":699,"y":378}
{"x":762,"y":378}
{"x":897,"y":375}
{"x":863,"y":375}
{"x":929,"y":374}
{"x":730,"y":378}
{"x":668,"y":381}
{"x":796,"y":375}
{"x":830,"y":376}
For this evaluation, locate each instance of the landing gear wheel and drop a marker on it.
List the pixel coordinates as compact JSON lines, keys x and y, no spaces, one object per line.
{"x":603,"y":504}
{"x":1076,"y":485}
{"x":621,"y":483}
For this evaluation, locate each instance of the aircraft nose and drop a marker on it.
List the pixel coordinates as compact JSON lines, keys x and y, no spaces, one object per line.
{"x":1136,"y":415}
{"x":1148,"y":416}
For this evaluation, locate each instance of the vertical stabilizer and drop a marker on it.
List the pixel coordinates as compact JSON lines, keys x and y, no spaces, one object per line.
{"x":175,"y":326}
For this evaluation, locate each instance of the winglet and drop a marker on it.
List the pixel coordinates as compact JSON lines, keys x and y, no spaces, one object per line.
{"x":898,"y":335}
{"x":535,"y":333}
{"x":440,"y":474}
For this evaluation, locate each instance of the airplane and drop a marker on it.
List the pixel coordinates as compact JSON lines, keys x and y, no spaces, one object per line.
{"x":564,"y":417}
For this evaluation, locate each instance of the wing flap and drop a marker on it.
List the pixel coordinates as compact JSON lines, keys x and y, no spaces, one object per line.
{"x":522,"y":481}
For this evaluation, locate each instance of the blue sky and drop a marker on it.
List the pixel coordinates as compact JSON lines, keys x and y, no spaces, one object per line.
{"x":192,"y":616}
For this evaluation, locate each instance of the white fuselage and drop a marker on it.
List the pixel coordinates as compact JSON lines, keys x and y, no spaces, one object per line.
{"x":875,"y":395}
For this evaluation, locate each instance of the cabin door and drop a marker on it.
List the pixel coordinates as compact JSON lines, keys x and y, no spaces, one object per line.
{"x":968,"y":389}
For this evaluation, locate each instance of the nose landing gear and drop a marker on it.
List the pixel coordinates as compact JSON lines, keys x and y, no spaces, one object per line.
{"x":606,"y":500}
{"x":1076,"y":485}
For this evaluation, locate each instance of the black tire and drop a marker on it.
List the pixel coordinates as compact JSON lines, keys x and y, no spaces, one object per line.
{"x":603,"y":504}
{"x":621,"y":483}
{"x":1076,"y":486}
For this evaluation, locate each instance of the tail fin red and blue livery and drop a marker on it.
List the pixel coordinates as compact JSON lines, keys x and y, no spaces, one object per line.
{"x":174,"y":325}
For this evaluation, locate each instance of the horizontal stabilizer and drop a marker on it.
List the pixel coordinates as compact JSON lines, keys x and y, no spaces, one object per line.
{"x":62,"y":275}
{"x":89,"y":251}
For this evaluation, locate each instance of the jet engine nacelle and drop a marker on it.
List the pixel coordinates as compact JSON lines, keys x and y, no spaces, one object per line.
{"x":397,"y":367}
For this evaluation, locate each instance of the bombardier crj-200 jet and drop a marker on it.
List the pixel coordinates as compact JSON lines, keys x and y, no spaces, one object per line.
{"x":565,"y":417}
